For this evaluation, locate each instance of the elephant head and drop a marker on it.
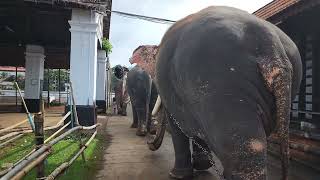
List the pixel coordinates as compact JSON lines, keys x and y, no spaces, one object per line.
{"x":145,"y":57}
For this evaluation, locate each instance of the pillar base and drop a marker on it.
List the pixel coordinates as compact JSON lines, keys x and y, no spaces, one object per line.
{"x":87,"y":115}
{"x":101,"y":105}
{"x":32,"y":104}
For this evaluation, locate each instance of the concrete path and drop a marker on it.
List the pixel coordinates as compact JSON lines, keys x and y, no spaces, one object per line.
{"x":127,"y":157}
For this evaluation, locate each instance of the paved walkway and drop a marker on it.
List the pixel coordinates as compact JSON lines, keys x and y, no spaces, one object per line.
{"x":127,"y":157}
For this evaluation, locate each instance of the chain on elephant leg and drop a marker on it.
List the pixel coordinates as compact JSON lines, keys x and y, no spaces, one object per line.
{"x":175,"y":125}
{"x":201,"y":155}
{"x":183,"y":166}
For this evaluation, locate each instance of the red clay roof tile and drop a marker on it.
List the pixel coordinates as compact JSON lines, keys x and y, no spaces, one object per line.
{"x":274,"y":7}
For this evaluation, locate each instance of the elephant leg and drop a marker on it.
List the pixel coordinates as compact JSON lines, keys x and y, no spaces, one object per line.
{"x":135,"y":117}
{"x":182,"y":166}
{"x":119,"y":109}
{"x":246,"y":161}
{"x":124,"y":110}
{"x":244,"y":153}
{"x":200,"y":158}
{"x":141,"y":113}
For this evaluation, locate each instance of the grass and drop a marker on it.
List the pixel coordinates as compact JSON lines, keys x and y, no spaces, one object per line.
{"x":62,"y":152}
{"x":11,"y":153}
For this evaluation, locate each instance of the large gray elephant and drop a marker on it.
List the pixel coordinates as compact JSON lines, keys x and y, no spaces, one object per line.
{"x":227,"y":77}
{"x":143,"y":95}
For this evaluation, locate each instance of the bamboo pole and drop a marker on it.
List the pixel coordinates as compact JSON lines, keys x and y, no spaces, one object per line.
{"x":42,"y":150}
{"x":10,"y":135}
{"x":74,"y":105}
{"x":10,"y":140}
{"x":17,"y":129}
{"x":47,"y":140}
{"x":30,"y":166}
{"x":65,"y":165}
{"x":57,"y":132}
{"x":23,"y":131}
{"x":25,"y":106}
{"x":80,"y":147}
{"x":39,"y":139}
{"x":63,"y":119}
{"x":13,"y":126}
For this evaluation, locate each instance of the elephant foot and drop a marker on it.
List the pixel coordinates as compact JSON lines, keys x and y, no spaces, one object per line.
{"x":124,"y":114}
{"x":134,"y":126}
{"x":181,"y":173}
{"x":141,"y":132}
{"x":201,"y":161}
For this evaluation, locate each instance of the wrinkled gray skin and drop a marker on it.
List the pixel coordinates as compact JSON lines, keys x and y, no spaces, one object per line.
{"x":227,"y":78}
{"x":143,"y":94}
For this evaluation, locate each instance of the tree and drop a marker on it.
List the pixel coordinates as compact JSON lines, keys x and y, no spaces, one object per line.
{"x":21,"y":81}
{"x":4,"y":75}
{"x":53,"y":76}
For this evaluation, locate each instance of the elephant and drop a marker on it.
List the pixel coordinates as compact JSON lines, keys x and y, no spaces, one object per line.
{"x":200,"y":160}
{"x":143,"y":95}
{"x":228,"y":78}
{"x":120,"y":89}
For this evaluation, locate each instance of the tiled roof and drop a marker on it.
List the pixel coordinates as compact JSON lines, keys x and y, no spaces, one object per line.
{"x":11,"y":68}
{"x":98,"y":5}
{"x":274,"y":8}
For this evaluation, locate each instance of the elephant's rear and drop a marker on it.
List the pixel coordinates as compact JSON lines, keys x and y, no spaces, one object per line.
{"x":209,"y":79}
{"x":138,"y":83}
{"x":211,"y":63}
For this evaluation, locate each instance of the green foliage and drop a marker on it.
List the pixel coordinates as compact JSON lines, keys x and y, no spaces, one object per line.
{"x":106,"y":45}
{"x":54,"y":79}
{"x":4,"y":75}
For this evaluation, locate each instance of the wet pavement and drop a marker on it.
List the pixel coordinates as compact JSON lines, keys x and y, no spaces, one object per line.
{"x":127,"y":157}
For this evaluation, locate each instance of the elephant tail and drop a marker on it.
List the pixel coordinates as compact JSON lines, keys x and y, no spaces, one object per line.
{"x":156,"y":129}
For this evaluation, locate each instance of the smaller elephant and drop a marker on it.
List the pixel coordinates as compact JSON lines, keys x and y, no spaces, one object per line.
{"x":143,"y":94}
{"x":120,"y":89}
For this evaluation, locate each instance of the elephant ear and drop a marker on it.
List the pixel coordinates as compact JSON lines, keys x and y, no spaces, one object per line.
{"x":157,"y":129}
{"x":145,"y":57}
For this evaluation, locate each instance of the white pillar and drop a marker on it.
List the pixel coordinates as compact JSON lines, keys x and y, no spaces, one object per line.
{"x":101,"y":80}
{"x":85,"y":28}
{"x":33,"y":76}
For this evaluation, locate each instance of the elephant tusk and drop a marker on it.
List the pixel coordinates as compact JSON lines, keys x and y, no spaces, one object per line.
{"x":156,"y":106}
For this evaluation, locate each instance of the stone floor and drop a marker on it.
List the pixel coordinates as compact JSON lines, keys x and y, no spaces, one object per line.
{"x":127,"y":157}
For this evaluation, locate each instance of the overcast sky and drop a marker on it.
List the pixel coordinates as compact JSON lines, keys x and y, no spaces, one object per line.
{"x":126,"y":34}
